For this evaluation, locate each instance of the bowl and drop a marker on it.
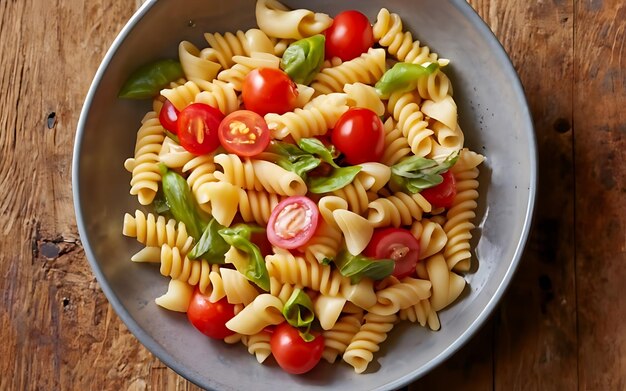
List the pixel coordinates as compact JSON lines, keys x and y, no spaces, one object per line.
{"x":493,"y":113}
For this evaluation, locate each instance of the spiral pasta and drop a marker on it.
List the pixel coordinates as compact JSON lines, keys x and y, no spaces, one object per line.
{"x":288,"y":269}
{"x":181,"y":96}
{"x":265,"y":310}
{"x":410,"y":120}
{"x":173,"y":155}
{"x":195,"y":67}
{"x":435,"y":86}
{"x":194,"y":272}
{"x":459,"y":217}
{"x":360,"y":351}
{"x":258,"y":175}
{"x":396,"y":145}
{"x":397,"y":210}
{"x":337,"y":339}
{"x":257,"y":206}
{"x":421,"y":313}
{"x":388,"y":32}
{"x":144,"y":166}
{"x":259,"y":345}
{"x":276,"y":20}
{"x":244,"y":65}
{"x":401,"y":295}
{"x":154,"y":231}
{"x":237,"y":288}
{"x":325,"y":243}
{"x":367,"y":69}
{"x":228,"y":45}
{"x":431,"y":236}
{"x":220,"y":95}
{"x":177,"y":297}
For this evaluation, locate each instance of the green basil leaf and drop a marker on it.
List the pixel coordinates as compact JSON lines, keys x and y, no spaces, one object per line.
{"x":403,"y":77}
{"x":303,"y":59}
{"x":160,"y":203}
{"x":292,"y":158}
{"x":358,"y":266}
{"x":181,"y":201}
{"x":147,"y":81}
{"x":339,"y":177}
{"x":298,"y":310}
{"x":316,"y":147}
{"x":211,"y":246}
{"x":415,"y":173}
{"x":254,"y":268}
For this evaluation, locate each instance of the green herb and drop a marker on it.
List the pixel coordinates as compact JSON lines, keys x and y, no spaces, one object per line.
{"x":358,"y":266}
{"x":292,"y":158}
{"x":147,"y":81}
{"x":253,"y":268}
{"x":160,"y":203}
{"x":316,"y":147}
{"x":298,"y":311}
{"x":403,"y":77}
{"x":338,"y":178}
{"x":211,"y":246}
{"x":181,"y":201}
{"x":416,"y":173}
{"x":303,"y":59}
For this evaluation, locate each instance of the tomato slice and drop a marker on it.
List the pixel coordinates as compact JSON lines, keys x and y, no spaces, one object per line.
{"x":397,"y":244}
{"x":349,"y":36}
{"x":168,"y":116}
{"x":269,"y":90}
{"x":292,"y":353}
{"x":244,"y":133}
{"x":442,"y":195}
{"x":360,"y":135}
{"x":293,"y":222}
{"x":198,"y":126}
{"x":210,"y":318}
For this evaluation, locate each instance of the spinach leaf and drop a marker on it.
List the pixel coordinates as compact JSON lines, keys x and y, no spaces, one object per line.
{"x":181,"y":201}
{"x":298,"y":311}
{"x":303,"y":59}
{"x":403,"y":77}
{"x":147,"y":81}
{"x":338,"y":178}
{"x":253,"y":267}
{"x":211,"y":246}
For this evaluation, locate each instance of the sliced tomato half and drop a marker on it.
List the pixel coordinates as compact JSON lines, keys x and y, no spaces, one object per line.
{"x":244,"y":133}
{"x":293,"y":222}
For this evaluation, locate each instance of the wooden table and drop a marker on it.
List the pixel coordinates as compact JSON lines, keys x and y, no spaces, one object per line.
{"x":560,"y":326}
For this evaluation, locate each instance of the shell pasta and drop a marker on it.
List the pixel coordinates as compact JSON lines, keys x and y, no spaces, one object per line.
{"x":340,"y":242}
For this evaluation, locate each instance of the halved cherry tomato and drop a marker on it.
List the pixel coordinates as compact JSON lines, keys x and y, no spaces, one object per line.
{"x":198,"y":125}
{"x":359,"y":134}
{"x":293,"y":222}
{"x":244,"y":133}
{"x":268,"y":90}
{"x":442,"y":195}
{"x":349,"y":36}
{"x":397,"y":244}
{"x":168,"y":116}
{"x":210,"y":318}
{"x":292,"y":353}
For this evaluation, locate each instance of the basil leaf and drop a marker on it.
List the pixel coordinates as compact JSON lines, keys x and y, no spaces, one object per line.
{"x":316,"y":147}
{"x":253,"y":268}
{"x":303,"y":59}
{"x":292,"y":158}
{"x":416,"y":173}
{"x":358,"y":266}
{"x":211,"y":246}
{"x":339,"y":177}
{"x":298,"y":311}
{"x":160,"y":204}
{"x":181,"y":201}
{"x":403,"y":77}
{"x":147,"y":81}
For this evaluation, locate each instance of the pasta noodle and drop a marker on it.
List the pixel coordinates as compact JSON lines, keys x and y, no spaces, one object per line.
{"x":328,"y":220}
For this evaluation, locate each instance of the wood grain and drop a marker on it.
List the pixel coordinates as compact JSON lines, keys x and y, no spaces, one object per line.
{"x":559,"y":326}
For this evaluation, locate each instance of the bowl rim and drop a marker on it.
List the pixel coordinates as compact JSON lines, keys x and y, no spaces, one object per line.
{"x":155,"y":348}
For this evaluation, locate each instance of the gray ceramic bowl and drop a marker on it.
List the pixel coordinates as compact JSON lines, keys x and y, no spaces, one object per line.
{"x":493,"y":113}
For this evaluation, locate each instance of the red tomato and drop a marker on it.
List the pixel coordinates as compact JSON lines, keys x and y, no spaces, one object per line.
{"x":442,"y":195}
{"x":268,"y":90}
{"x":293,"y":222}
{"x":198,"y":125}
{"x":397,"y":244}
{"x":244,"y":133}
{"x":293,"y":354}
{"x":261,"y":241}
{"x":359,"y":134}
{"x":168,"y":117}
{"x":210,"y":318}
{"x":349,"y":36}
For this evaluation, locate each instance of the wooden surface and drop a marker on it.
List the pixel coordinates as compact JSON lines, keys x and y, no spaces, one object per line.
{"x":559,"y":327}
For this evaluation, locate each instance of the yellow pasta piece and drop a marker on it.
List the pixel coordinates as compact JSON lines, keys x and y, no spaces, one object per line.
{"x":154,"y":231}
{"x":177,"y":297}
{"x":360,"y":351}
{"x":276,"y":20}
{"x":367,"y":69}
{"x":265,"y":310}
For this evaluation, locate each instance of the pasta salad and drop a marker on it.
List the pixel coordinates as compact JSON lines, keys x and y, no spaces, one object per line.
{"x":305,"y":184}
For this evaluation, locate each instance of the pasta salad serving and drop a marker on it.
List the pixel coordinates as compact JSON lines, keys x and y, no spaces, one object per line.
{"x":304,"y":184}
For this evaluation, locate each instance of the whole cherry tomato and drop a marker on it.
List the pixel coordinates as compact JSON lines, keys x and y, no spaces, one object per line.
{"x":359,"y":134}
{"x":210,"y":318}
{"x":268,"y":90}
{"x":294,"y":354}
{"x":349,"y":36}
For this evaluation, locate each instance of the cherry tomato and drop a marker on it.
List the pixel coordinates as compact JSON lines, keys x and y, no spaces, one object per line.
{"x":210,"y":318}
{"x":293,"y":354}
{"x":168,"y":116}
{"x":442,"y":195}
{"x":349,"y":36}
{"x":268,"y":90}
{"x":198,"y":125}
{"x":244,"y":133}
{"x":359,"y":134}
{"x":293,"y":222}
{"x":397,"y":244}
